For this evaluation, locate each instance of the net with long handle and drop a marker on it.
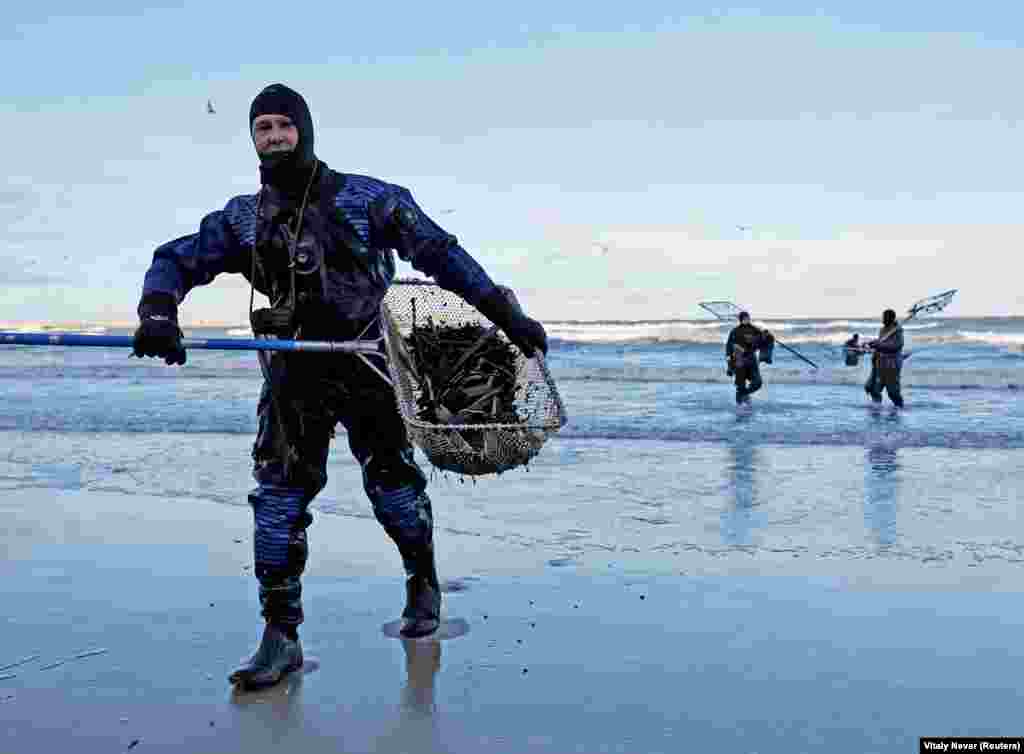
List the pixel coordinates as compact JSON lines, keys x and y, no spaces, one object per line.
{"x":483,"y":439}
{"x":727,"y":310}
{"x":724,"y":310}
{"x":931,"y":304}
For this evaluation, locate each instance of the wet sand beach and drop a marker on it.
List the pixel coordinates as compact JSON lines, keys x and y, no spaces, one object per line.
{"x":576,"y":654}
{"x":671,"y":574}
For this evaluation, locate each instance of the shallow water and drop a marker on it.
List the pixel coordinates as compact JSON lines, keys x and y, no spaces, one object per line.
{"x":657,"y":464}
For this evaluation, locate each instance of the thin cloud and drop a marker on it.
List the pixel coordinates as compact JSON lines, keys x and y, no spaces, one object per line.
{"x":31,"y":279}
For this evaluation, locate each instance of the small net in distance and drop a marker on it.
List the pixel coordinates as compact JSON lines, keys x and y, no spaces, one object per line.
{"x":484,"y":437}
{"x":724,"y":310}
{"x":932,"y":304}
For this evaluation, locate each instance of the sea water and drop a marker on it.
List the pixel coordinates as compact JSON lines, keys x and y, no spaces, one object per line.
{"x":656,"y":463}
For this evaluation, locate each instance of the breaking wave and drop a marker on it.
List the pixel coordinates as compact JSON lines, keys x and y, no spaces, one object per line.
{"x":831,"y":333}
{"x":32,"y":327}
{"x":955,"y":379}
{"x":913,"y":375}
{"x":994,"y":338}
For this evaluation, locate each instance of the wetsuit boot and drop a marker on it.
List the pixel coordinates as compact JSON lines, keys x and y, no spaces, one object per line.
{"x":279,"y":653}
{"x":422,"y":614}
{"x":281,"y":549}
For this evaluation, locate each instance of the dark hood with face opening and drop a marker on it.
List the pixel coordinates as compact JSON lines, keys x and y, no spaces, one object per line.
{"x":287,"y":171}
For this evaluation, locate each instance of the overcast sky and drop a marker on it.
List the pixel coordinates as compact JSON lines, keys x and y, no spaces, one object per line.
{"x":599,"y":160}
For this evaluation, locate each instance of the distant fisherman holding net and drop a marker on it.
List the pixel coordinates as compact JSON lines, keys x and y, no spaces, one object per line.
{"x":853,"y":350}
{"x":745,"y":347}
{"x":886,"y":360}
{"x":318,"y":243}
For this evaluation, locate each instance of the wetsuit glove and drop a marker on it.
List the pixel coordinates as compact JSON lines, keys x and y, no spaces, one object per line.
{"x":158,"y":333}
{"x":500,"y":306}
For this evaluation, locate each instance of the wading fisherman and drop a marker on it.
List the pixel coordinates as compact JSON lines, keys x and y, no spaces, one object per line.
{"x":886,"y":360}
{"x":853,"y":350}
{"x":319,"y":244}
{"x":745,"y":347}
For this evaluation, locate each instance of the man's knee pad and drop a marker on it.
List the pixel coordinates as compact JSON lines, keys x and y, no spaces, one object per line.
{"x":405,"y":514}
{"x":281,"y":519}
{"x":392,"y":470}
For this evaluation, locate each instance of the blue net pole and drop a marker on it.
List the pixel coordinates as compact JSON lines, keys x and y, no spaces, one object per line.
{"x":210,"y":344}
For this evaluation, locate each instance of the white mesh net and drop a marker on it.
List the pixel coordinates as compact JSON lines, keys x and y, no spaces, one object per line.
{"x":470,"y":443}
{"x":931,"y":305}
{"x":722,"y":309}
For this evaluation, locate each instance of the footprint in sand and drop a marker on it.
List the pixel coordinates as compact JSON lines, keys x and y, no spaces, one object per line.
{"x":453,"y":586}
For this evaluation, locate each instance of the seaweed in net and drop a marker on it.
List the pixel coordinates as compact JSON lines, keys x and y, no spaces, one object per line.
{"x":470,"y":399}
{"x":468,"y":374}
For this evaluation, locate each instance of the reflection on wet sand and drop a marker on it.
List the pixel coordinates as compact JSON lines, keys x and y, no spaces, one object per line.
{"x":268,"y":715}
{"x":737,"y":519}
{"x":882,"y":477}
{"x":416,"y":727}
{"x":881,"y":489}
{"x":422,"y":661}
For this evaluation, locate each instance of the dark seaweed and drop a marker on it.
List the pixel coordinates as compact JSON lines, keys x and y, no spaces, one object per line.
{"x":467,"y":374}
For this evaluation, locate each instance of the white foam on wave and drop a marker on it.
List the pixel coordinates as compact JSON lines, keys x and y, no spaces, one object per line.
{"x":844,"y":323}
{"x":824,"y":332}
{"x":677,"y":333}
{"x":994,"y":338}
{"x":795,"y":375}
{"x":637,"y":333}
{"x":34,"y":327}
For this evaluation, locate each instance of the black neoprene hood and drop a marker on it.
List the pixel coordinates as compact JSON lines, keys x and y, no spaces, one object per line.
{"x":285,"y":168}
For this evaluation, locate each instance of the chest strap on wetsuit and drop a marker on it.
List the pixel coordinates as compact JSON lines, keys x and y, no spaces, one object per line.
{"x":286,"y":451}
{"x":279,"y":320}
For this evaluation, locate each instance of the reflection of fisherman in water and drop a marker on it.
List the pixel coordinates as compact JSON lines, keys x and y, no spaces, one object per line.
{"x":853,"y":350}
{"x":422,"y":661}
{"x":273,"y":714}
{"x":737,"y":518}
{"x":881,"y":484}
{"x":416,"y":728}
{"x":746,"y":346}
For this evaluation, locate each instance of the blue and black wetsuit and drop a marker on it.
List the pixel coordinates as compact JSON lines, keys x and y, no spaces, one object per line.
{"x":741,"y":351}
{"x":343,"y":265}
{"x":886,"y":365}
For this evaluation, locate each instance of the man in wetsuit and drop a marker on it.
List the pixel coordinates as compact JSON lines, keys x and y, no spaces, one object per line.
{"x":852,"y":350}
{"x":742,"y":350}
{"x":319,"y":244}
{"x":886,"y":361}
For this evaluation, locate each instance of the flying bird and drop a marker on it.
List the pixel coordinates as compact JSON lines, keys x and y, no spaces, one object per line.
{"x":447,"y":211}
{"x":209,"y":107}
{"x":743,"y":228}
